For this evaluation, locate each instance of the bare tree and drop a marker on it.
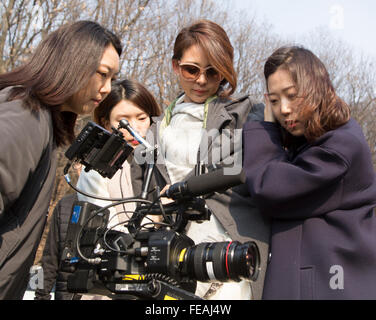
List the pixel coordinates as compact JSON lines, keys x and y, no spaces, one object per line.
{"x":26,"y":22}
{"x":353,"y":75}
{"x":253,"y":43}
{"x":148,"y":29}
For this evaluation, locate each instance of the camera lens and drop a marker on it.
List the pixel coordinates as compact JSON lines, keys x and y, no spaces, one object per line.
{"x":221,"y":261}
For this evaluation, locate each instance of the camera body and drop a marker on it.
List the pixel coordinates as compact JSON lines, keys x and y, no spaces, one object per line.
{"x":105,"y":261}
{"x":98,"y":149}
{"x":116,"y":261}
{"x":152,"y":262}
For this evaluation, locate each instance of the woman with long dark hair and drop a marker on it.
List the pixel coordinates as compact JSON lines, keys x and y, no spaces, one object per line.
{"x":309,"y":169}
{"x":70,"y":73}
{"x":128,"y":100}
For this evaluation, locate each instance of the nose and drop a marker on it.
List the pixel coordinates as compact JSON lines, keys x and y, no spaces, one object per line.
{"x":202,"y":79}
{"x":106,"y":88}
{"x":285,"y":107}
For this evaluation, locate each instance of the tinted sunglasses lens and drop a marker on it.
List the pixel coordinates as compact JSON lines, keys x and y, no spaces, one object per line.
{"x":212,"y":74}
{"x":190,"y":72}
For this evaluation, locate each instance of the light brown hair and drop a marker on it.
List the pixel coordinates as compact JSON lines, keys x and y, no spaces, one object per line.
{"x":320,"y":107}
{"x":213,"y":39}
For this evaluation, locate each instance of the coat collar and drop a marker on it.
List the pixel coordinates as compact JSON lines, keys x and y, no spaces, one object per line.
{"x":218,"y":115}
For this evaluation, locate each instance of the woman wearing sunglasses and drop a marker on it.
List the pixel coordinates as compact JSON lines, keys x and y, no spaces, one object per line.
{"x":203,"y":62}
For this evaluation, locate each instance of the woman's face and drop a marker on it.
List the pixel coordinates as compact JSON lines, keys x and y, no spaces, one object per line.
{"x":282,"y":96}
{"x":138,"y":119}
{"x":203,"y":87}
{"x":99,"y":86}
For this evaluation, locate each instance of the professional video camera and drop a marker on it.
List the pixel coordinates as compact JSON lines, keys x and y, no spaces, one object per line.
{"x":155,"y":260}
{"x":96,"y":148}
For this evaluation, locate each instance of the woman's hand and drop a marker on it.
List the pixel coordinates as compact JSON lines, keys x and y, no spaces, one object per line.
{"x":164,"y":199}
{"x":268,"y":112}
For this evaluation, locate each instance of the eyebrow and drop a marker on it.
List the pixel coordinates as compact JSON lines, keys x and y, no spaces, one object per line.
{"x":109,"y":68}
{"x":284,"y":90}
{"x":137,"y":115}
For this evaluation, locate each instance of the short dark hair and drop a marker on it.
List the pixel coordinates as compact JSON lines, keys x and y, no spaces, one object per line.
{"x":126,"y":90}
{"x":62,"y":64}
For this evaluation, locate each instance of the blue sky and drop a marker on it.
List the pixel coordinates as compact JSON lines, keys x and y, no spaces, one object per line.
{"x":350,"y":20}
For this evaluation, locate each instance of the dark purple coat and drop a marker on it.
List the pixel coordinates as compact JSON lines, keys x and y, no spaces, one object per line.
{"x":321,"y":203}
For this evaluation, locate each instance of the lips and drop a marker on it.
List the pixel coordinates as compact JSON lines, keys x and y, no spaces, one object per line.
{"x":291,"y":124}
{"x":199,"y":92}
{"x":134,"y":142}
{"x":96,"y":102}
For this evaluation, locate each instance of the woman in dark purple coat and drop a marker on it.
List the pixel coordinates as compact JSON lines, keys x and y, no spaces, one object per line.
{"x":309,"y":168}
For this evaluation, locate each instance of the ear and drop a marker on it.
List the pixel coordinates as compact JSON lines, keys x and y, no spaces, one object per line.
{"x":175,"y":66}
{"x":266,"y":97}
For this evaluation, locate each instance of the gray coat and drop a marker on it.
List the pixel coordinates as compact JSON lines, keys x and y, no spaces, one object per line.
{"x":233,"y":208}
{"x":24,"y":136}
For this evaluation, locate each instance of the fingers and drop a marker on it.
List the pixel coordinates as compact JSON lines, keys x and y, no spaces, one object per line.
{"x":164,"y":199}
{"x":165,"y":188}
{"x":268,"y":112}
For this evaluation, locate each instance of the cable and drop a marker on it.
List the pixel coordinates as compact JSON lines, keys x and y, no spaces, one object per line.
{"x":161,"y":277}
{"x":112,"y":228}
{"x":98,"y":260}
{"x":68,"y":180}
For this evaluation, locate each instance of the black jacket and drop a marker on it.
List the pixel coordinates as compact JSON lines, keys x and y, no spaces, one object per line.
{"x":53,"y":250}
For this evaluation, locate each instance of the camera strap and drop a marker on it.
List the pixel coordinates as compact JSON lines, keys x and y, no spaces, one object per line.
{"x":35,"y":183}
{"x":32,"y":188}
{"x":16,"y":214}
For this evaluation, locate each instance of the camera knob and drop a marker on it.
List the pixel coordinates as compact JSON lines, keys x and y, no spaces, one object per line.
{"x":154,"y":287}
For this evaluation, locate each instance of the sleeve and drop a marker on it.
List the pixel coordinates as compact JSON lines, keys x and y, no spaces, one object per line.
{"x":50,"y":258}
{"x":310,"y":185}
{"x":256,"y":113}
{"x":226,"y":149}
{"x":93,"y":183}
{"x":23,"y":137}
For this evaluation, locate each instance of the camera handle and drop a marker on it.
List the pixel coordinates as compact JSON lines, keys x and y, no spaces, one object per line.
{"x":145,"y":186}
{"x":124,"y":123}
{"x":153,"y":289}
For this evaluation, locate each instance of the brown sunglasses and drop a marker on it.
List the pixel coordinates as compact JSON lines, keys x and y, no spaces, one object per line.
{"x":192,"y":72}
